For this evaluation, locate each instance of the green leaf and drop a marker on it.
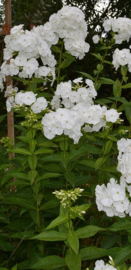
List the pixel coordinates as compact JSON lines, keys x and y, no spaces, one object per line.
{"x":14,"y":267}
{"x":124,"y":70}
{"x":49,"y":205}
{"x":53,"y":168}
{"x":19,"y":201}
{"x":74,"y":155}
{"x":59,"y":220}
{"x":48,"y":175}
{"x":121,"y":99}
{"x":23,"y":235}
{"x":32,"y":145}
{"x":128,"y":85}
{"x":64,"y":145}
{"x":88,"y":231}
{"x":54,"y":158}
{"x":128,"y":113}
{"x":73,"y":260}
{"x":73,"y":240}
{"x":88,"y":163}
{"x":21,"y":151}
{"x":50,"y":262}
{"x":110,"y":169}
{"x":92,"y":149}
{"x":64,"y":159}
{"x":107,"y":62}
{"x":106,"y":81}
{"x":55,"y":49}
{"x":32,"y":160}
{"x":32,"y":175}
{"x":117,"y":88}
{"x":98,"y":56}
{"x":70,"y":177}
{"x":43,"y":151}
{"x":67,"y":62}
{"x":4,"y":166}
{"x":6,"y":246}
{"x":90,"y":253}
{"x":51,"y":236}
{"x":112,"y":138}
{"x":123,"y":255}
{"x":99,"y":162}
{"x":20,"y":183}
{"x":107,"y":147}
{"x":87,"y":76}
{"x":2,"y":117}
{"x":110,"y":240}
{"x":119,"y":226}
{"x":48,"y":144}
{"x":32,"y":86}
{"x":19,"y":175}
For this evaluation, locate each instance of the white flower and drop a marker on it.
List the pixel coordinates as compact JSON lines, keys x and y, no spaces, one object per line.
{"x":111,"y":115}
{"x":26,"y":98}
{"x":8,"y":106}
{"x":29,"y":98}
{"x":78,"y":80}
{"x":95,"y":39}
{"x":39,"y":105}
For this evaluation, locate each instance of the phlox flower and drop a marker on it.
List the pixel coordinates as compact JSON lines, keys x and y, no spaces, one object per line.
{"x":111,"y":115}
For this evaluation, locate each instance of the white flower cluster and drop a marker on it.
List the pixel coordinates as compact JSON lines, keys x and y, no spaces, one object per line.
{"x":69,"y":23}
{"x":124,"y":165}
{"x":10,"y":95}
{"x":112,"y":199}
{"x":122,"y":58}
{"x":100,"y":265}
{"x":121,"y":26}
{"x":67,"y":196}
{"x":25,"y":48}
{"x":78,"y":112}
{"x":27,"y":98}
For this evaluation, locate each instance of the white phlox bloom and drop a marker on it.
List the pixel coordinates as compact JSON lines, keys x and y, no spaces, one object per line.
{"x":121,"y":58}
{"x":69,"y":23}
{"x":25,"y":48}
{"x":79,"y":111}
{"x":111,"y":115}
{"x":26,"y":98}
{"x":100,"y":265}
{"x":39,"y":105}
{"x":30,"y":66}
{"x":112,"y":199}
{"x":17,"y":30}
{"x":121,"y":26}
{"x":10,"y":95}
{"x":124,"y":161}
{"x":95,"y":39}
{"x":44,"y":72}
{"x":10,"y":91}
{"x":59,"y":122}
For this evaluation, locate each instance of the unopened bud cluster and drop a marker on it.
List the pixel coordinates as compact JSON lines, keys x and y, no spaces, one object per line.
{"x":8,"y":142}
{"x":67,"y":196}
{"x":76,"y":212}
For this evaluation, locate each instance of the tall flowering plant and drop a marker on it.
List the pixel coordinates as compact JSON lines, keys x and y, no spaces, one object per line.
{"x":65,"y":150}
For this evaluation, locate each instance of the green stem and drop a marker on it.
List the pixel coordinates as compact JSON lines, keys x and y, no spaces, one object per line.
{"x":96,"y":80}
{"x":59,"y":65}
